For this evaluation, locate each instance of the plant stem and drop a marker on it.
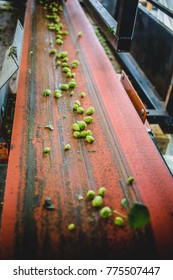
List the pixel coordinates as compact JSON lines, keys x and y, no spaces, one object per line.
{"x":121,"y":214}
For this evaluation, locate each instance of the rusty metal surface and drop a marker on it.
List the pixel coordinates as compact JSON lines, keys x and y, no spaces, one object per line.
{"x":137,"y":103}
{"x":121,"y":149}
{"x":3,"y":153}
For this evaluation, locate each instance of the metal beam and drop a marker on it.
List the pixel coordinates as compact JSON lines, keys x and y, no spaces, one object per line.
{"x":122,"y":29}
{"x":126,"y":22}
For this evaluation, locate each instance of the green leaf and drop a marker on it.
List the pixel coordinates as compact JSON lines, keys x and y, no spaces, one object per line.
{"x":111,"y":29}
{"x":138,"y":216}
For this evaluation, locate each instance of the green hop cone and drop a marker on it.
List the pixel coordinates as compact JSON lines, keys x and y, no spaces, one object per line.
{"x":119,"y":221}
{"x":67,"y":147}
{"x":71,"y":227}
{"x":102,"y":191}
{"x":90,"y":194}
{"x":89,"y":139}
{"x":82,"y":125}
{"x":77,"y":134}
{"x":97,"y":202}
{"x":77,"y":102}
{"x":88,"y":120}
{"x":82,"y":94}
{"x":90,"y":111}
{"x":80,"y":110}
{"x":105,"y":212}
{"x":76,"y":127}
{"x":47,"y":92}
{"x":46,"y":150}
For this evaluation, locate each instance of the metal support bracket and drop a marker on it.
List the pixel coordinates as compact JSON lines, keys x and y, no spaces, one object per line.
{"x":10,"y":66}
{"x":122,"y":29}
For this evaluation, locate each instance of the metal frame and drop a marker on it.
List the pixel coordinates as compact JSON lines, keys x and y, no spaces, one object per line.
{"x":156,"y":111}
{"x":122,"y":29}
{"x":126,"y":21}
{"x":161,"y":7}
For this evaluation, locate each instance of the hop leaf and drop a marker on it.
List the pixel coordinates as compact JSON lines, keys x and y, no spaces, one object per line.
{"x":138,"y":216}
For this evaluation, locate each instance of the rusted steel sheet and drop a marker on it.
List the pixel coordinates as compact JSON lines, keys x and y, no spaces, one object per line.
{"x":137,"y":103}
{"x":121,"y":149}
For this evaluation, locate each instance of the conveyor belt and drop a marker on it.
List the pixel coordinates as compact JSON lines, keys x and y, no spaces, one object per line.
{"x":122,"y":148}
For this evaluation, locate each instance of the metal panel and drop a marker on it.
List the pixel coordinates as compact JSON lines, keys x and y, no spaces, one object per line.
{"x":152,"y":48}
{"x":12,"y":57}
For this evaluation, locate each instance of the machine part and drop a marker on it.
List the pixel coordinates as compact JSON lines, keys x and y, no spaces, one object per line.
{"x":121,"y":31}
{"x":139,"y":106}
{"x":12,"y":57}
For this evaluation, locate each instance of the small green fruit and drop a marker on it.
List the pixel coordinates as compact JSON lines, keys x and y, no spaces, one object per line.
{"x":53,"y":51}
{"x":97,"y":202}
{"x":58,"y":63}
{"x":90,"y":194}
{"x":76,"y":127}
{"x":88,"y":119}
{"x":75,"y":106}
{"x":82,"y":94}
{"x":82,"y":125}
{"x":64,"y":86}
{"x":47,"y":92}
{"x":46,"y":150}
{"x":67,"y":147}
{"x":130,"y":180}
{"x":77,"y":134}
{"x":80,"y":110}
{"x":105,"y":212}
{"x":72,"y":84}
{"x":119,"y":221}
{"x":90,"y":111}
{"x":102,"y":191}
{"x":89,"y":139}
{"x":89,"y":133}
{"x":65,"y":70}
{"x":77,"y":102}
{"x":71,"y":227}
{"x":83,"y":133}
{"x":58,"y":93}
